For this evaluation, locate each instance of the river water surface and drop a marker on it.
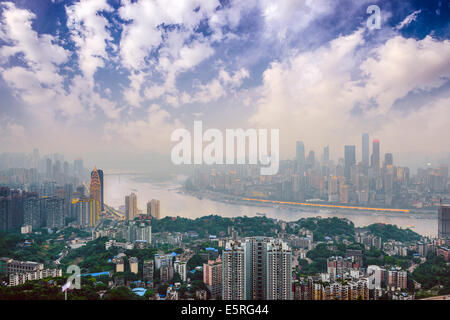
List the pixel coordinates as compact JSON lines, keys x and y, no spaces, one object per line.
{"x":174,"y":203}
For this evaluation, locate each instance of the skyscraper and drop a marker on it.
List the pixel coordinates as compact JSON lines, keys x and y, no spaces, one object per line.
{"x":95,"y":191}
{"x":257,"y":250}
{"x":444,"y":221}
{"x":326,"y":154}
{"x":365,"y":149}
{"x":388,"y":160}
{"x":349,"y":160}
{"x":100,"y":175}
{"x":234,"y":268}
{"x":300,"y":152}
{"x":375,"y":161}
{"x":153,"y":208}
{"x":131,"y":210}
{"x":279,"y":269}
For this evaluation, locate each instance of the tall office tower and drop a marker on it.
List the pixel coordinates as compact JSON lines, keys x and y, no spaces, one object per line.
{"x":212,"y":276}
{"x":388,"y":160}
{"x":155,"y":210}
{"x":234,"y":285}
{"x":48,"y":163}
{"x":365,"y":149}
{"x":131,"y":210}
{"x":100,"y":175}
{"x":326,"y":154}
{"x":279,"y":271}
{"x":95,"y":190}
{"x":300,"y":152}
{"x":444,"y":222}
{"x":375,"y":161}
{"x":349,"y":160}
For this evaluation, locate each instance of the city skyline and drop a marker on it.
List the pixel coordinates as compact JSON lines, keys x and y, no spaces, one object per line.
{"x":278,"y":66}
{"x":237,"y":151}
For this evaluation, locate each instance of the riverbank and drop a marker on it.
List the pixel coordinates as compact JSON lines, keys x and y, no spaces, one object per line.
{"x":295,"y":206}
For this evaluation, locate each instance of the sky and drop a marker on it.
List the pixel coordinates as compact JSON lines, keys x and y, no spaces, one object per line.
{"x":110,"y":80}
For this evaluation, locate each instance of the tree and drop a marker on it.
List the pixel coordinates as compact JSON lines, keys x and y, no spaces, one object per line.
{"x":149,"y":294}
{"x":121,"y":293}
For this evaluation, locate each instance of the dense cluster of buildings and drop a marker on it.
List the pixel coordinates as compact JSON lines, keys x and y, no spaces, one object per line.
{"x":373,"y":181}
{"x":49,"y":192}
{"x":18,"y":272}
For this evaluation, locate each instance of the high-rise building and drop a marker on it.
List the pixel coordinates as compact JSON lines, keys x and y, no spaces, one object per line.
{"x":257,"y":249}
{"x":365,"y":149}
{"x":131,"y":210}
{"x":95,"y":191}
{"x":300,"y":152}
{"x":279,"y":271}
{"x":32,"y":212}
{"x":326,"y":154}
{"x":349,"y":160}
{"x":258,"y":268}
{"x":234,"y":269}
{"x":444,"y":221}
{"x":388,"y":160}
{"x":52,"y":209}
{"x":153,"y":209}
{"x":375,"y":161}
{"x":212,"y":276}
{"x":85,"y":210}
{"x":148,"y":270}
{"x":97,"y":172}
{"x":143,"y":232}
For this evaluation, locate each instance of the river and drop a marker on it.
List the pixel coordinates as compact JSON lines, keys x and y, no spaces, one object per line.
{"x":174,"y":203}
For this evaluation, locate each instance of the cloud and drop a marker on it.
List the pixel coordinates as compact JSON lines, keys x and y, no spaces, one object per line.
{"x":149,"y":134}
{"x":40,"y":80}
{"x":13,"y":136}
{"x":223,"y":84}
{"x":336,"y":92}
{"x":36,"y":80}
{"x":89,"y":33}
{"x":284,"y":16}
{"x":88,"y":29}
{"x":410,"y":18}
